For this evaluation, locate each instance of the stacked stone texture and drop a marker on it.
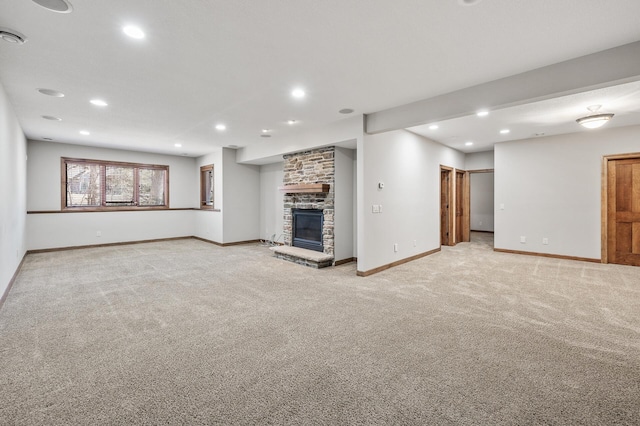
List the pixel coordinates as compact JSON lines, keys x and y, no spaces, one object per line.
{"x":315,"y":166}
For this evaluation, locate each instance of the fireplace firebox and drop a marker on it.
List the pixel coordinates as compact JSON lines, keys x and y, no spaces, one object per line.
{"x":307,"y":229}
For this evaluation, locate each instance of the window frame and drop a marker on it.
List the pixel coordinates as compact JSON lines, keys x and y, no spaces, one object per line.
{"x":203,"y":187}
{"x":103,"y":164}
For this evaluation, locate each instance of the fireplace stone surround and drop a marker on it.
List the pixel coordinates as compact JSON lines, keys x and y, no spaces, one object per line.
{"x":316,"y":166}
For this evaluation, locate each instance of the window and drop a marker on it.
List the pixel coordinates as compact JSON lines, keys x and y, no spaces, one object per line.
{"x":108,"y":185}
{"x":206,"y":187}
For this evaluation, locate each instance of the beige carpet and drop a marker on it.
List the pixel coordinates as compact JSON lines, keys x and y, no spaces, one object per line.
{"x":185,"y":332}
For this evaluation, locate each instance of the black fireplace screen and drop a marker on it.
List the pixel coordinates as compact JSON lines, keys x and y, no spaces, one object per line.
{"x":307,"y":229}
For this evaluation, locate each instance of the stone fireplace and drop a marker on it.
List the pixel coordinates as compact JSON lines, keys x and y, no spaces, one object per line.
{"x":309,"y":185}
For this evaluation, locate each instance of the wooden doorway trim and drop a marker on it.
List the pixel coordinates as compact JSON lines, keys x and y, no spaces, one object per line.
{"x":447,"y":208}
{"x":605,"y":201}
{"x":462,"y":208}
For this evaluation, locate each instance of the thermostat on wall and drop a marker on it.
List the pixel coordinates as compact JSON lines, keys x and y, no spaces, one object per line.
{"x":380,"y":185}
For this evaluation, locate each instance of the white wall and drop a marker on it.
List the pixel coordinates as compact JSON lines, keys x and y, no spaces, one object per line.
{"x":53,"y":230}
{"x":551,"y":187}
{"x":481,"y":203}
{"x":241,"y":199}
{"x":344,"y":227}
{"x":208,"y":224}
{"x":409,"y":167}
{"x":271,"y":201}
{"x":479,"y":160}
{"x":13,"y":192}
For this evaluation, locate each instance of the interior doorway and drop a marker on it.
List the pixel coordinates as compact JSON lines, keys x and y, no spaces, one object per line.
{"x":621,"y":209}
{"x":481,"y":201}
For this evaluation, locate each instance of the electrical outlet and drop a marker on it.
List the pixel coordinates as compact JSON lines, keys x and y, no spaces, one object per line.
{"x":523,"y":239}
{"x":545,"y":241}
{"x":415,"y":243}
{"x":395,"y":247}
{"x":98,"y":233}
{"x":375,"y":208}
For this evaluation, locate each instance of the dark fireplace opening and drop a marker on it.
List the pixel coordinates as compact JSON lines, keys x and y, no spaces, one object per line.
{"x":307,"y":229}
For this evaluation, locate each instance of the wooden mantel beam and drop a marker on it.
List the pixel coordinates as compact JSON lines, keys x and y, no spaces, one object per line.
{"x":305,"y":188}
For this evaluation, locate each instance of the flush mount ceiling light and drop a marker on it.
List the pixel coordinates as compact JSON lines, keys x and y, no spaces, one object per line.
{"x":51,"y":92}
{"x":468,"y":143}
{"x":12,"y":36}
{"x":60,"y":6}
{"x":85,"y":132}
{"x":291,"y":122}
{"x":98,"y":102}
{"x":433,"y":127}
{"x":133,"y":32}
{"x":266,"y":130}
{"x":221,"y":127}
{"x":482,"y":113}
{"x":594,"y":120}
{"x":51,"y":117}
{"x":177,"y":145}
{"x":265,"y":136}
{"x":298,"y":93}
{"x":504,"y":131}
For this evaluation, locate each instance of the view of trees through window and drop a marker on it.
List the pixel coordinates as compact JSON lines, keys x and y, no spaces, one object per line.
{"x":96,"y":184}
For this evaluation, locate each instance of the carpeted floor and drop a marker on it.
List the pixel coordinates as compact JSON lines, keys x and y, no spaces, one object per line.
{"x":185,"y":332}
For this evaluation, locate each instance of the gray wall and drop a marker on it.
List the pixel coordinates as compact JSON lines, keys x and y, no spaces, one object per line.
{"x":481,"y":203}
{"x":13,"y":192}
{"x":551,"y":188}
{"x":54,"y":230}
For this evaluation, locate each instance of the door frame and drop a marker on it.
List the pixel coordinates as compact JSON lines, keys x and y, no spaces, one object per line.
{"x":604,"y":204}
{"x":450,"y":197}
{"x":466,"y":208}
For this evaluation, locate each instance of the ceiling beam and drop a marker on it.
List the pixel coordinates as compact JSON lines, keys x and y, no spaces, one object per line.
{"x":606,"y":68}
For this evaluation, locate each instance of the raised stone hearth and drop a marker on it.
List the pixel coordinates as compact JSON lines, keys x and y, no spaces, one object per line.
{"x":311,"y":258}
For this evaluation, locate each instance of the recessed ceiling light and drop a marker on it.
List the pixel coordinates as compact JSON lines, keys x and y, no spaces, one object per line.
{"x":85,"y":132}
{"x":60,"y":6}
{"x":291,"y":122}
{"x":433,"y":127}
{"x":12,"y":36}
{"x":346,"y":111}
{"x":51,"y":117}
{"x":178,"y":145}
{"x":221,"y":127}
{"x":505,"y":131}
{"x":133,"y":32}
{"x":482,"y":113}
{"x":298,"y":93}
{"x":51,"y":92}
{"x":468,"y":143}
{"x":98,"y":102}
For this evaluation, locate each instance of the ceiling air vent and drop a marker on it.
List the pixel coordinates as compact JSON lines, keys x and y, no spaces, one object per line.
{"x":12,"y":36}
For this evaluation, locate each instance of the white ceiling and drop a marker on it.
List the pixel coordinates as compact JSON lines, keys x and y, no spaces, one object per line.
{"x":206,"y":62}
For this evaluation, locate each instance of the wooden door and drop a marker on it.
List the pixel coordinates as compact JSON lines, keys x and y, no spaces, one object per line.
{"x":623,"y":211}
{"x":462,"y":207}
{"x":445,"y":202}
